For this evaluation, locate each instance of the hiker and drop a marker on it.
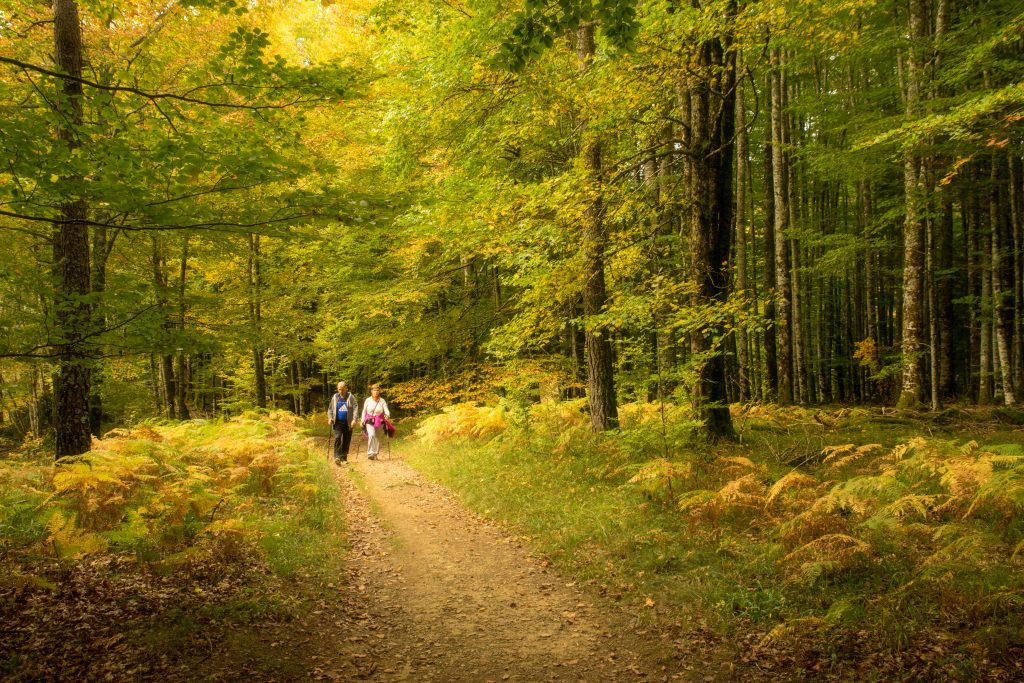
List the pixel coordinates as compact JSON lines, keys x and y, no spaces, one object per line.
{"x":375,"y":413}
{"x":342,"y":416}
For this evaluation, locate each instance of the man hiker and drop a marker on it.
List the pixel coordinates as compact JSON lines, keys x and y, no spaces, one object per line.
{"x":342,"y":415}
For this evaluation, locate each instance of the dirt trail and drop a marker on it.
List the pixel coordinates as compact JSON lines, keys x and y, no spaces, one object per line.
{"x":441,"y":595}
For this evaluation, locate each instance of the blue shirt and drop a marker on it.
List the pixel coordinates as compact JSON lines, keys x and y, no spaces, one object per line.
{"x":343,"y":408}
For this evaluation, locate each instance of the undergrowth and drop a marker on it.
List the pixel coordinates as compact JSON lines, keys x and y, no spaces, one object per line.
{"x":176,"y":526}
{"x":174,"y":494}
{"x":836,"y":538}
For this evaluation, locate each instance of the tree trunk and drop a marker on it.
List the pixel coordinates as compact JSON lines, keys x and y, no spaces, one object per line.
{"x":913,"y":230}
{"x":933,"y":323}
{"x":1017,"y":240}
{"x":99,"y":286}
{"x":985,"y":319}
{"x":944,"y":299}
{"x":1000,"y":314}
{"x":712,"y":121}
{"x":970,"y":222}
{"x":600,"y":366}
{"x":771,"y":364}
{"x":742,"y":344}
{"x":259,"y":372}
{"x":71,"y":252}
{"x":165,"y":365}
{"x":181,"y":387}
{"x":783,"y":309}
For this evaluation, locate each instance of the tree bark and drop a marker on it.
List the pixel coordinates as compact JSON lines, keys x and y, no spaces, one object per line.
{"x":742,"y":343}
{"x":712,"y":121}
{"x":600,"y":364}
{"x":1017,"y":240}
{"x":259,"y":371}
{"x":181,"y":387}
{"x":165,"y":364}
{"x":771,"y":364}
{"x":783,"y":308}
{"x":913,"y":229}
{"x":71,"y":252}
{"x":944,"y":299}
{"x":1000,"y":315}
{"x":985,"y":393}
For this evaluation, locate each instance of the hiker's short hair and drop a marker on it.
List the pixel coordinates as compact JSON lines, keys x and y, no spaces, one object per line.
{"x":374,"y":387}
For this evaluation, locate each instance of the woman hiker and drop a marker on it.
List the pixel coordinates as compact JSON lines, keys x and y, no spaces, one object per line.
{"x":342,"y":416}
{"x":375,"y":410}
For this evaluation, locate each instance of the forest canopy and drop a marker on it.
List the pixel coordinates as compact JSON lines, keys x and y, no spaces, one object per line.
{"x":209,"y":206}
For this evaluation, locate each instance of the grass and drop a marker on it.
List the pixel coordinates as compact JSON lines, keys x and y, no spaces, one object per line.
{"x":841,"y":540}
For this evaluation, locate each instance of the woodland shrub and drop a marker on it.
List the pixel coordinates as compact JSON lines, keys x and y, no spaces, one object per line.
{"x":174,"y":494}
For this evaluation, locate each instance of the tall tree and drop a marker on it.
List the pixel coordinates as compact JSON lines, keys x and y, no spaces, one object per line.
{"x":780,"y":205}
{"x":913,"y":227}
{"x":742,"y":160}
{"x":71,"y":248}
{"x":711,"y":120}
{"x":598,"y":341}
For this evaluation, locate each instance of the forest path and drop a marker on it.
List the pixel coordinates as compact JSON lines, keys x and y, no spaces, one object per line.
{"x":439,"y":594}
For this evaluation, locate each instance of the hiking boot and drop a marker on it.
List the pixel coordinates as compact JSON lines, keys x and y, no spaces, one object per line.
{"x":372,"y":457}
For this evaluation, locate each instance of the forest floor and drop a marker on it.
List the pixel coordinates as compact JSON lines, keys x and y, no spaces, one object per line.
{"x":403,"y":581}
{"x":433,"y":592}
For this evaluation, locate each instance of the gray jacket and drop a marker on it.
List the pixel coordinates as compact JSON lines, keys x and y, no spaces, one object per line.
{"x":332,"y":412}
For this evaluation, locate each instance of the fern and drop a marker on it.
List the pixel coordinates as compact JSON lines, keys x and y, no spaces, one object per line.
{"x":826,"y":555}
{"x":462,"y":420}
{"x":1001,"y":493}
{"x":793,"y":480}
{"x":660,"y":478}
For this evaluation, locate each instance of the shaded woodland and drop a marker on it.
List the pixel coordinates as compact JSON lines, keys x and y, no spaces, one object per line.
{"x":709,"y":202}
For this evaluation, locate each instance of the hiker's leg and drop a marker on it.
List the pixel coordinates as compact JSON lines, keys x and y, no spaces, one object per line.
{"x":372,"y":443}
{"x":337,"y":440}
{"x":346,"y":439}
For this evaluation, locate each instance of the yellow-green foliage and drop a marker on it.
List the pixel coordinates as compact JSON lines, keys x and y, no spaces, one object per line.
{"x":462,"y":420}
{"x":924,"y":505}
{"x":661,"y":478}
{"x":172,"y":493}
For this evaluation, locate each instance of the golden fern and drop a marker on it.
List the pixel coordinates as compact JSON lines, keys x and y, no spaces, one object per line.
{"x":826,"y":555}
{"x":792,"y":480}
{"x":660,"y":478}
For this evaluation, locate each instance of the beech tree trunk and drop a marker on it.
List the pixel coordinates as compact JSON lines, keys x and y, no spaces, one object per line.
{"x":771,"y":363}
{"x":944,"y":299}
{"x":783,"y":307}
{"x":913,"y":229}
{"x":600,"y":361}
{"x":712,"y":121}
{"x":985,"y":323}
{"x":742,"y":343}
{"x":181,"y":387}
{"x":71,"y":252}
{"x":165,"y":362}
{"x":1001,"y":318}
{"x":255,"y":314}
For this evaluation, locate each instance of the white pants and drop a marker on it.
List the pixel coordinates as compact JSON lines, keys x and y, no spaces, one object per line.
{"x":372,"y":443}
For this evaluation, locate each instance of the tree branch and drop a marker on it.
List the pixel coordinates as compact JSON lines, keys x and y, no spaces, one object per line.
{"x":154,"y":96}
